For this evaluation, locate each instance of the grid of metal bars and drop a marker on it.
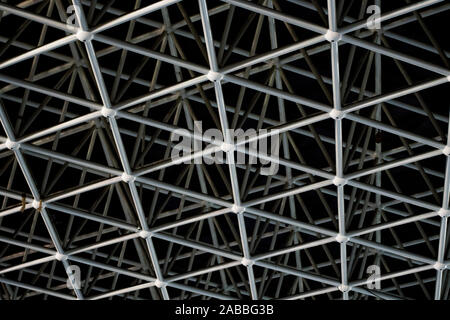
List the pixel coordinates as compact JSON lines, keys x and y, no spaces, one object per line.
{"x":121,"y":178}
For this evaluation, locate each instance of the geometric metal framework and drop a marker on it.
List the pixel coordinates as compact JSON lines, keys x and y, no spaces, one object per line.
{"x":92,"y":92}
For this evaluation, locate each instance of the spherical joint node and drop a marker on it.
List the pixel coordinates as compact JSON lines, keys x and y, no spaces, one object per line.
{"x":60,"y":256}
{"x":144,"y":234}
{"x":108,"y":112}
{"x":225,"y":147}
{"x":237,"y":209}
{"x":159,"y":283}
{"x":83,"y":35}
{"x":444,"y":213}
{"x":214,"y":76}
{"x":11,"y":145}
{"x":337,"y":114}
{"x":342,"y":238}
{"x":128,"y":177}
{"x":333,"y":36}
{"x":448,"y":78}
{"x":37,"y":204}
{"x":338,"y":181}
{"x":247,"y":262}
{"x":446,"y":150}
{"x":439,"y":266}
{"x":344,"y":288}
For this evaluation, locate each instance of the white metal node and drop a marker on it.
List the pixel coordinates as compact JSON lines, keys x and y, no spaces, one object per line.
{"x":159,"y":283}
{"x":36,"y":204}
{"x":337,"y":114}
{"x":11,"y":145}
{"x":333,"y":36}
{"x":145,"y":234}
{"x":439,"y":266}
{"x":344,"y":288}
{"x":84,"y":35}
{"x":342,"y":238}
{"x":446,"y":150}
{"x":128,"y":177}
{"x":226,"y":147}
{"x":339,"y":181}
{"x":444,"y":213}
{"x":60,"y":256}
{"x":237,"y":209}
{"x":214,"y":76}
{"x":247,"y":262}
{"x":108,"y":112}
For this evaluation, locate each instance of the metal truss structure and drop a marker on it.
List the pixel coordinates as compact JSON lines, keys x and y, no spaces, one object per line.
{"x":94,"y":207}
